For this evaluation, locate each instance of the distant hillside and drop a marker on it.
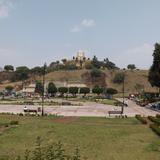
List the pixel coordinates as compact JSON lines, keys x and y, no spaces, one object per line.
{"x":82,"y":76}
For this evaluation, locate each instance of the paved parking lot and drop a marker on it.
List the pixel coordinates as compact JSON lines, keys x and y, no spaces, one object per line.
{"x":89,"y":109}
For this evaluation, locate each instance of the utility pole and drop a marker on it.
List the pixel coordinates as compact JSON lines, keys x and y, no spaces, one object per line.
{"x":43,"y":83}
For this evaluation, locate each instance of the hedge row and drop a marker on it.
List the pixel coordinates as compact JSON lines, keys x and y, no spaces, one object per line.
{"x":141,"y":119}
{"x":154,"y":119}
{"x":158,"y":116}
{"x":155,"y":128}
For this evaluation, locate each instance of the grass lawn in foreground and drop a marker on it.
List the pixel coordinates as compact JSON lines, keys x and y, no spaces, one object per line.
{"x":97,"y":138}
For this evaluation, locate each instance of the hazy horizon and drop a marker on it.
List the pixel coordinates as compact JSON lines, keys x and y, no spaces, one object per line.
{"x":34,"y":32}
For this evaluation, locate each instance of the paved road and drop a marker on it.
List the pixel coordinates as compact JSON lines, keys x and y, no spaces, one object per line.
{"x":133,"y":108}
{"x":89,"y":109}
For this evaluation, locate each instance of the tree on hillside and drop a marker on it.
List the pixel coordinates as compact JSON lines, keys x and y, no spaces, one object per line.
{"x":96,"y":63}
{"x":52,"y":89}
{"x":131,"y":66}
{"x":96,"y":73}
{"x":88,"y":65}
{"x":73,"y":90}
{"x":109,"y":65}
{"x":37,"y":70}
{"x":39,"y":88}
{"x":84,"y":90}
{"x":8,"y":68}
{"x":97,"y":90}
{"x":62,"y":90}
{"x":154,"y":72}
{"x":22,"y":73}
{"x":70,"y":66}
{"x":64,"y":61}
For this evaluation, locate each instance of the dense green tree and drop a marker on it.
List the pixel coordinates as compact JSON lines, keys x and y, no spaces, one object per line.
{"x":73,"y":90}
{"x":97,"y":90}
{"x":131,"y":66}
{"x":22,"y":73}
{"x":154,"y":72}
{"x":96,"y":63}
{"x":37,"y":70}
{"x":52,"y":89}
{"x":64,"y":61}
{"x":62,"y":90}
{"x":119,"y":78}
{"x":111,"y":91}
{"x":9,"y":88}
{"x":39,"y":88}
{"x":70,"y":66}
{"x":8,"y":68}
{"x":84,"y":90}
{"x":109,"y":65}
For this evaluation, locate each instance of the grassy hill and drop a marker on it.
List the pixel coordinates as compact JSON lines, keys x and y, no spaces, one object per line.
{"x":132,"y":78}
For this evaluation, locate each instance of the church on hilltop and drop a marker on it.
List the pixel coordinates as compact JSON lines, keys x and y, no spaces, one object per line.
{"x":80,"y":59}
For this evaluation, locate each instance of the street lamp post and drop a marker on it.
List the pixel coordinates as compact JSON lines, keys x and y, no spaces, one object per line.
{"x":123,"y":89}
{"x":43,"y":83}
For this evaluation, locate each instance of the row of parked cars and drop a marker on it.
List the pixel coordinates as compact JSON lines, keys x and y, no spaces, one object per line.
{"x":154,"y":106}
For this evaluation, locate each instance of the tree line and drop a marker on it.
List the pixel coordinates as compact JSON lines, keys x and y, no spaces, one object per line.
{"x":52,"y":90}
{"x":23,"y":72}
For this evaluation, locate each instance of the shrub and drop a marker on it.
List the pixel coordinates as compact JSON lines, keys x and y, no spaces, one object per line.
{"x":119,"y":78}
{"x":14,"y":123}
{"x":155,"y":128}
{"x":154,"y":119}
{"x":158,"y":116}
{"x":70,"y":67}
{"x":96,"y":73}
{"x":54,"y":151}
{"x":141,"y":119}
{"x":88,"y":65}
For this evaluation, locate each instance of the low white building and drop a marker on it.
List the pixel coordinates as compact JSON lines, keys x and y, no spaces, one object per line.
{"x":29,"y":90}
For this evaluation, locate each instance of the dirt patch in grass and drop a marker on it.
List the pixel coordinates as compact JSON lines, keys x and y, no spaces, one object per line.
{"x":3,"y":128}
{"x":66,"y":119}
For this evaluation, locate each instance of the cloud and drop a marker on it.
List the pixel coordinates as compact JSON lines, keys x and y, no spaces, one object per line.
{"x":5,"y":8}
{"x":141,"y":56}
{"x":88,"y":23}
{"x":75,"y":29}
{"x":85,"y":23}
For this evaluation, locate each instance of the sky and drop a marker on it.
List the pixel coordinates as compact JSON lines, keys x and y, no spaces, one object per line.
{"x":33,"y":32}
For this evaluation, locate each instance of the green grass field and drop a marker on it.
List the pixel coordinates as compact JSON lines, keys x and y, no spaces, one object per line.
{"x":97,"y":138}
